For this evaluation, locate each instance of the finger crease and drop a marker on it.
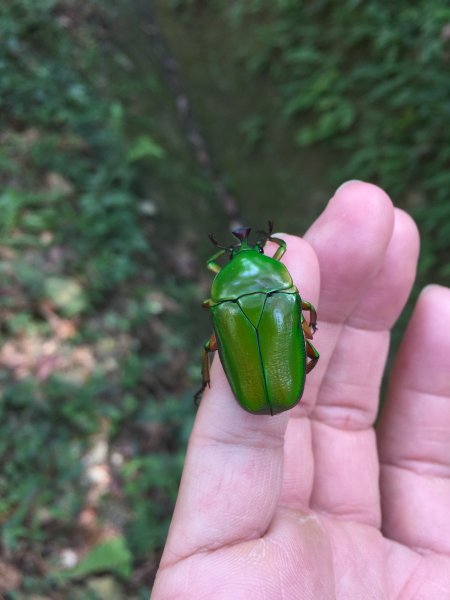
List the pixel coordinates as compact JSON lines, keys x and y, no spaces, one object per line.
{"x":409,"y":466}
{"x":264,"y":441}
{"x":344,"y":422}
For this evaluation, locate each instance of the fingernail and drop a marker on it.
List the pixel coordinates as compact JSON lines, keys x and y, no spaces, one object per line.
{"x":346,"y":183}
{"x":431,"y":287}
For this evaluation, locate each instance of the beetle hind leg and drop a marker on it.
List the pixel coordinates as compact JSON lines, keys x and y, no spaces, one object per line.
{"x":306,"y":328}
{"x":208,"y":347}
{"x":312,"y":317}
{"x":311,"y":353}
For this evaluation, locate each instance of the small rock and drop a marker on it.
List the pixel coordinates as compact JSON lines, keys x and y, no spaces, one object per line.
{"x":68,"y":558}
{"x":59,"y":184}
{"x":148,"y":208}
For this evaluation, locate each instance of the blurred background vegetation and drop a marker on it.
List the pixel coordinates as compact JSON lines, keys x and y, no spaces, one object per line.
{"x":129,"y":131}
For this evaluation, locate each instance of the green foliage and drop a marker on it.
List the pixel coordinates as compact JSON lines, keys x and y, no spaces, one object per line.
{"x":145,"y":147}
{"x":111,"y":555}
{"x":43,"y":434}
{"x":75,"y":292}
{"x":150,"y":482}
{"x":66,"y":294}
{"x":372,"y":80}
{"x":50,"y":82}
{"x":368,"y":80}
{"x":93,"y":341}
{"x":150,"y":485}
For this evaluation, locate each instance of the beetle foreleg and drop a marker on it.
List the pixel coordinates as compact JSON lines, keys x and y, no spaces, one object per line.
{"x":282,"y":247}
{"x":312,"y":315}
{"x":211,"y":262}
{"x":312,"y":353}
{"x":208,"y":303}
{"x":208,"y":347}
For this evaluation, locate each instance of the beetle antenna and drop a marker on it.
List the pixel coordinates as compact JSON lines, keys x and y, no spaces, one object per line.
{"x":216,"y":243}
{"x":265,"y":235}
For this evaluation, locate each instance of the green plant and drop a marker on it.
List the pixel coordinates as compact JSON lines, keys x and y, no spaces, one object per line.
{"x":372,"y":79}
{"x":74,"y":253}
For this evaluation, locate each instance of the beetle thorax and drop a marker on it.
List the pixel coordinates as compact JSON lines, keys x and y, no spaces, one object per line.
{"x":249,"y":272}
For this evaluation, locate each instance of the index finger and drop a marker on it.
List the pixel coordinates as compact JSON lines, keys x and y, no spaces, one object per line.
{"x":233,"y":471}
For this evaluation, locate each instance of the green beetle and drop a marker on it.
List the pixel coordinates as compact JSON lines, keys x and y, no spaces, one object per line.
{"x":260,"y":332}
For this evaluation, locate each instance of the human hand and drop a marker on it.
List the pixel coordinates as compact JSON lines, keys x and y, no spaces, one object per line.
{"x":314,"y":503}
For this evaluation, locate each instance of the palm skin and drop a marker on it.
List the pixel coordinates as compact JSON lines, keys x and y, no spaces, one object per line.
{"x":314,"y":503}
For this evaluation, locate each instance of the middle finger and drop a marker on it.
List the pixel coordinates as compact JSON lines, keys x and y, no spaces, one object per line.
{"x":374,"y":264}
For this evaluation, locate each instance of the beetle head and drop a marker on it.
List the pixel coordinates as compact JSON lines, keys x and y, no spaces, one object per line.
{"x":242,"y":234}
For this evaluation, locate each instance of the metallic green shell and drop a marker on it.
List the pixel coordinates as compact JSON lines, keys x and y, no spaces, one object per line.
{"x":261,"y":343}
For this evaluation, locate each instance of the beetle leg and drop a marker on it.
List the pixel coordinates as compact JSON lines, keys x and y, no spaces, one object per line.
{"x":312,"y":315}
{"x":312,"y":353}
{"x":211,"y":262}
{"x":207,"y":303}
{"x":282,"y":247}
{"x":306,"y":328}
{"x":209,"y":346}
